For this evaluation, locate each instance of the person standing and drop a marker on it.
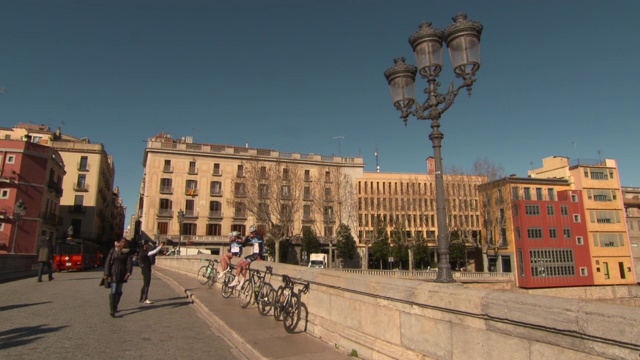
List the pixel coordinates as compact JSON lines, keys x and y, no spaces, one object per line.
{"x":117,"y":269}
{"x":45,"y":256}
{"x":146,"y":259}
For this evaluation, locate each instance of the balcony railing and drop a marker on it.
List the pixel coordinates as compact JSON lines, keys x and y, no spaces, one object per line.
{"x":50,"y":218}
{"x":167,"y":169}
{"x":193,"y":171}
{"x":217,"y":172}
{"x":190,"y":213}
{"x":191,"y":192}
{"x":165,"y":213}
{"x":216,"y":192}
{"x":83,"y":167}
{"x":166,"y":190}
{"x":240,"y":215}
{"x":77,"y":209}
{"x":81,"y":187}
{"x":215,"y":214}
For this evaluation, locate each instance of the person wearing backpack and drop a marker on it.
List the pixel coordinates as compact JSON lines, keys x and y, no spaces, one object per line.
{"x":146,"y":259}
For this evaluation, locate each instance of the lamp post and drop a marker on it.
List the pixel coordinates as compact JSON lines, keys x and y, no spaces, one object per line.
{"x":180,"y":221}
{"x":19,"y":209}
{"x":463,"y":40}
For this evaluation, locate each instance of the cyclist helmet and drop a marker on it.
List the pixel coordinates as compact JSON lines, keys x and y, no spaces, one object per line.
{"x":234,"y":234}
{"x":253,"y":228}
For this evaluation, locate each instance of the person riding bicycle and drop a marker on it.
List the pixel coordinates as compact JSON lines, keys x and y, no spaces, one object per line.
{"x":235,"y":250}
{"x":254,"y":239}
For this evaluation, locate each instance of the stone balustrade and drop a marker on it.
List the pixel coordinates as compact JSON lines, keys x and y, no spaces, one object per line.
{"x":384,"y":317}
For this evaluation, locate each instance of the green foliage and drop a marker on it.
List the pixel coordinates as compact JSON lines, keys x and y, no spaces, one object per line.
{"x":380,"y":248}
{"x":345,"y":244}
{"x":310,"y":242}
{"x":353,"y":353}
{"x":285,"y":246}
{"x":421,"y":259}
{"x":457,"y":251}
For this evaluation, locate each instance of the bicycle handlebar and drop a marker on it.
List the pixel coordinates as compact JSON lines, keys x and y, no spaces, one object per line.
{"x":290,"y":282}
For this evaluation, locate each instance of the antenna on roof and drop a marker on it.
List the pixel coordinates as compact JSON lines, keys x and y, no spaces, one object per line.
{"x":340,"y":138}
{"x":377,"y":166}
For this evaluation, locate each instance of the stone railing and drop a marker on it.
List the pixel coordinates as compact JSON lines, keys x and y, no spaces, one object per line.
{"x":384,"y":317}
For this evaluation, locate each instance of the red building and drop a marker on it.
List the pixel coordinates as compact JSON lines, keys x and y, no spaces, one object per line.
{"x":30,"y":180}
{"x":536,"y":228}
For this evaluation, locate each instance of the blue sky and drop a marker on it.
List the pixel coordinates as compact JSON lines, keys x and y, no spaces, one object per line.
{"x":294,"y":75}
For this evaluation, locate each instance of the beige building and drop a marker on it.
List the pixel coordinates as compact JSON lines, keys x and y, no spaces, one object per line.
{"x":90,"y":203}
{"x":609,"y":242}
{"x":223,"y":188}
{"x":631,"y":196}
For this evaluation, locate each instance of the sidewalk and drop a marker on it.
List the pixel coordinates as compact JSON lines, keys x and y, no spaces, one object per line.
{"x":254,"y":335}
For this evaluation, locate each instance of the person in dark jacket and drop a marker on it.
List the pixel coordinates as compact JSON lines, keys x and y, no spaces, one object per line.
{"x":45,"y":256}
{"x":117,"y":269}
{"x":146,"y":259}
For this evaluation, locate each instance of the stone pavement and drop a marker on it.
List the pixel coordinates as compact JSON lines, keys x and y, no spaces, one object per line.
{"x":254,"y":335}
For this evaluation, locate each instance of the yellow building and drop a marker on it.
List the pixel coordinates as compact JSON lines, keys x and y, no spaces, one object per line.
{"x":89,"y":203}
{"x":599,"y":183}
{"x":632,"y":208}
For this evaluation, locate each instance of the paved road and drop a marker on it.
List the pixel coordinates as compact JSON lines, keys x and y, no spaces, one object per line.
{"x":68,"y":318}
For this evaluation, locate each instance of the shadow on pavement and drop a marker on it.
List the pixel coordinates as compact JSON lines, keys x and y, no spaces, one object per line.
{"x":24,"y":335}
{"x":17,"y":306}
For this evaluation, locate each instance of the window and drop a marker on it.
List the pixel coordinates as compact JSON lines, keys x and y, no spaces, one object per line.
{"x":239,"y":189}
{"x":567,"y":232}
{"x":285,"y":191}
{"x":78,"y":200}
{"x":328,"y":213}
{"x":240,"y":171}
{"x":285,"y":174}
{"x":189,"y":208}
{"x":215,"y":209}
{"x":214,"y":229}
{"x":551,"y":194}
{"x":307,"y":193}
{"x":163,"y":228}
{"x":327,"y":176}
{"x":576,"y":218}
{"x":539,"y":194}
{"x":166,"y":186}
{"x":192,"y":168}
{"x":83,"y":165}
{"x":550,"y":210}
{"x":167,"y":168}
{"x":216,"y":188}
{"x":527,"y":193}
{"x":579,"y":240}
{"x":532,"y":209}
{"x":81,"y":184}
{"x":583,"y":271}
{"x":307,"y":175}
{"x":327,"y":194}
{"x":574,"y":198}
{"x":552,"y":233}
{"x":564,"y":210}
{"x":552,"y":262}
{"x":515,"y":193}
{"x":306,"y":213}
{"x":191,"y":187}
{"x":599,"y":174}
{"x":534,"y":233}
{"x":216,"y":169}
{"x":328,"y":231}
{"x":263,"y":172}
{"x":11,"y":159}
{"x":4,"y":193}
{"x":517,"y":233}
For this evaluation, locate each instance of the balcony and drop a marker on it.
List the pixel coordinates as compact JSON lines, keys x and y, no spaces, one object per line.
{"x":167,"y":169}
{"x":77,"y":209}
{"x":329,"y":218}
{"x":217,"y":214}
{"x":191,"y":214}
{"x":191,"y":192}
{"x":240,"y":215}
{"x":216,"y":192}
{"x":50,"y":218}
{"x":307,"y":218}
{"x":83,"y":187}
{"x":54,"y":187}
{"x":166,"y":190}
{"x":217,"y":172}
{"x":83,"y":167}
{"x":192,"y":171}
{"x":165,"y":213}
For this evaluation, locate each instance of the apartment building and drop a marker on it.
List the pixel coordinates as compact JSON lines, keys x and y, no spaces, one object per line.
{"x":90,"y":206}
{"x":631,"y":198}
{"x":222,"y":188}
{"x":604,"y":214}
{"x":405,"y":203}
{"x":31,"y":177}
{"x":535,"y":228}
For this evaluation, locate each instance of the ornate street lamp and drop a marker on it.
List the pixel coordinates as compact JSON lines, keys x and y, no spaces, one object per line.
{"x":19,"y":209}
{"x":463,"y":40}
{"x":180,"y":221}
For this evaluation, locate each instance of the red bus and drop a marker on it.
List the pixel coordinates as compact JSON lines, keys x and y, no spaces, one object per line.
{"x":76,"y":254}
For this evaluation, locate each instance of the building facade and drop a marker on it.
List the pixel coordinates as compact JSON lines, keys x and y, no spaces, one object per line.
{"x":31,"y":178}
{"x":90,"y":206}
{"x":220,"y":188}
{"x":535,"y":228}
{"x":631,"y":198}
{"x":604,"y":216}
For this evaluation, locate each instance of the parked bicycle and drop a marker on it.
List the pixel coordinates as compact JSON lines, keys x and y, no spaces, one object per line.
{"x":287,"y":302}
{"x":257,"y":289}
{"x":208,"y":274}
{"x":229,"y":276}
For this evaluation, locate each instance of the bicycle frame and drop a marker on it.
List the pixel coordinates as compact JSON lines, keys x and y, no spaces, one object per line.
{"x":208,"y":274}
{"x":258,"y":290}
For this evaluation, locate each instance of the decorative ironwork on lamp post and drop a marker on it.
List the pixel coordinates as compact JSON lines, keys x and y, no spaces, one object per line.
{"x":180,"y":221}
{"x":463,"y":40}
{"x":19,"y":209}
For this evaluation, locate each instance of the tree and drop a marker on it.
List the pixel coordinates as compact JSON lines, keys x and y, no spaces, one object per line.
{"x":271,"y":192}
{"x":484,"y":167}
{"x":310,"y":243}
{"x":345,"y":244}
{"x":381,"y":248}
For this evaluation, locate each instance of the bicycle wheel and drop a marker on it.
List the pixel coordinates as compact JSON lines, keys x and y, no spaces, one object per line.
{"x":213,"y":277}
{"x":265,"y":299}
{"x":291,"y":314}
{"x":246,"y":293}
{"x":226,"y":289}
{"x":202,"y":274}
{"x":278,"y":303}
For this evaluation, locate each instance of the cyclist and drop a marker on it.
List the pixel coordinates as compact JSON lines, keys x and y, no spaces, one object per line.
{"x":235,"y":246}
{"x":254,"y":239}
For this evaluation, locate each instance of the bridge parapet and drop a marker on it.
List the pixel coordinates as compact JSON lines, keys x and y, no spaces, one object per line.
{"x":385,"y":317}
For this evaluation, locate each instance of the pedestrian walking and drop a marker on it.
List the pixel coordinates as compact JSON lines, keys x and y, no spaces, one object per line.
{"x":146,"y":259}
{"x":45,"y":257}
{"x":117,"y":269}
